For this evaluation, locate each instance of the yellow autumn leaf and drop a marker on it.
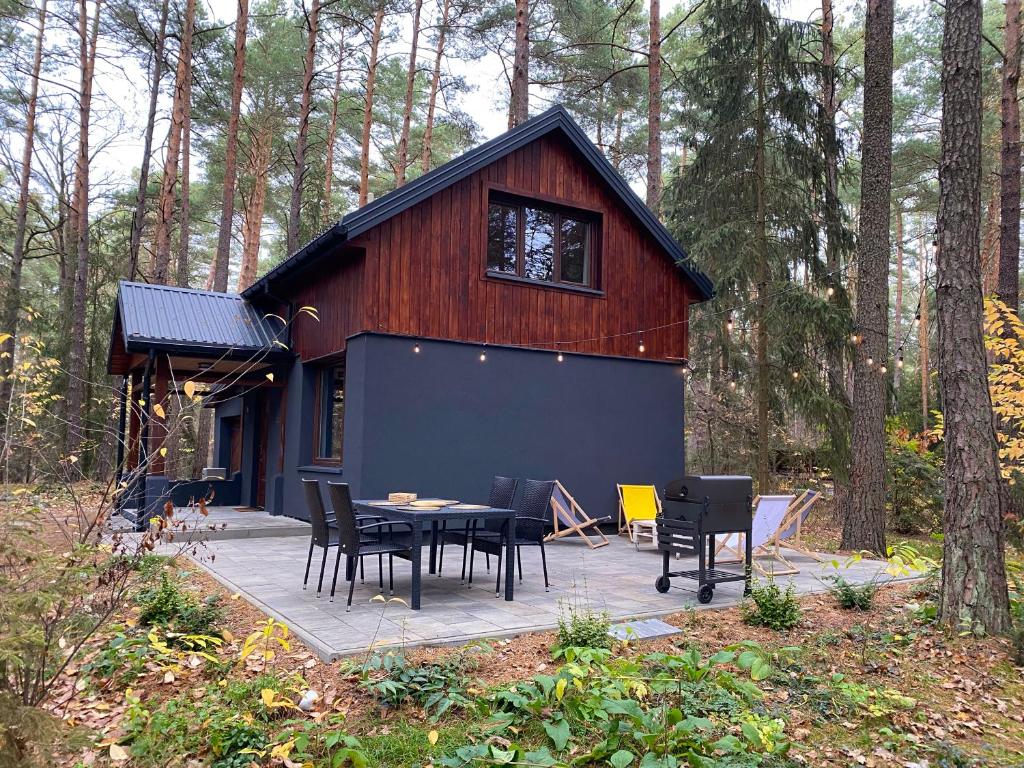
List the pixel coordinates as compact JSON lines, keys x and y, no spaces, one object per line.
{"x":432,"y":737}
{"x":270,"y":376}
{"x":118,"y":753}
{"x":158,"y":410}
{"x":4,"y":337}
{"x":268,"y":694}
{"x":560,"y":688}
{"x":163,"y":451}
{"x":190,"y":389}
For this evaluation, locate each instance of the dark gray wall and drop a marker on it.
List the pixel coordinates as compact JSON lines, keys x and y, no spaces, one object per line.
{"x":442,"y":423}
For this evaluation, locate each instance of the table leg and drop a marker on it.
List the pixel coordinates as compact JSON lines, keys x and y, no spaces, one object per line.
{"x":417,"y":545}
{"x":433,"y":546}
{"x":510,"y":559}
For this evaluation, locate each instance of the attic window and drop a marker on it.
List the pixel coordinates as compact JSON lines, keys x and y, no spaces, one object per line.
{"x":545,"y":244}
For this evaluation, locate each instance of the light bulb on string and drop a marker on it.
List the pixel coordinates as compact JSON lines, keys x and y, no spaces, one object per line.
{"x":416,"y":348}
{"x":642,"y":348}
{"x":899,"y":360}
{"x":796,"y":374}
{"x":855,"y":338}
{"x":882,"y":369}
{"x":917,"y":319}
{"x":729,"y":323}
{"x":732,"y":381}
{"x":483,"y":354}
{"x":560,"y":357}
{"x":830,"y":291}
{"x":870,"y":361}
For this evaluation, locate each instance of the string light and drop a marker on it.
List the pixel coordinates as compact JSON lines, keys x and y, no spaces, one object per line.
{"x":882,"y":369}
{"x":483,"y":354}
{"x":917,"y":319}
{"x":416,"y":348}
{"x":642,"y":347}
{"x":729,"y":323}
{"x":560,"y":358}
{"x":870,"y":361}
{"x":830,"y":291}
{"x":899,"y":361}
{"x":855,"y":338}
{"x":796,"y":374}
{"x":732,"y":382}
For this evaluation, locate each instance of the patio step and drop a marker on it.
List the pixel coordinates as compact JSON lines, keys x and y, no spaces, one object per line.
{"x":215,"y":527}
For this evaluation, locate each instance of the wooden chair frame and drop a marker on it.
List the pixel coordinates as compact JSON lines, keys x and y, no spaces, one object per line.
{"x":770,"y":549}
{"x":795,"y":516}
{"x":574,"y":512}
{"x":625,"y":526}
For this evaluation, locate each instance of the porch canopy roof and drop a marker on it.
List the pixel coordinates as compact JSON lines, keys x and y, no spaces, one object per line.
{"x":201,"y":330}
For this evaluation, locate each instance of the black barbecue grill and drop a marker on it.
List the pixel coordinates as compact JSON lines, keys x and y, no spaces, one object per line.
{"x":696,"y":509}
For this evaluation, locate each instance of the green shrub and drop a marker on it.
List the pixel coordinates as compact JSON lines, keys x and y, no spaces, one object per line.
{"x":914,"y":490}
{"x":584,"y":629}
{"x":771,"y":607}
{"x":436,"y":686}
{"x":167,"y":605}
{"x":852,"y":596}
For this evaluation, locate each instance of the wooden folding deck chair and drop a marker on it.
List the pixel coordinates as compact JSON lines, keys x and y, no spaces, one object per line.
{"x":569,"y":518}
{"x":790,"y":532}
{"x":638,"y":504}
{"x":770,"y":513}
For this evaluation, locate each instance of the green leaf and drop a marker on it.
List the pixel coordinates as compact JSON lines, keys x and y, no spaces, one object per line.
{"x":558,"y":732}
{"x":621,"y":759}
{"x":760,"y":670}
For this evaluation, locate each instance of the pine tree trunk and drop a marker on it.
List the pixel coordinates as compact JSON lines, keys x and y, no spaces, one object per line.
{"x":654,"y":110}
{"x":12,"y":300}
{"x":309,"y":72}
{"x":252,"y":213}
{"x":519,"y":103}
{"x":922,"y":326}
{"x":139,"y":217}
{"x":897,"y":327}
{"x":186,"y":207}
{"x":371,"y":76}
{"x":78,"y":358}
{"x":974,"y":591}
{"x":864,"y":525}
{"x":435,"y":85}
{"x":332,"y":133}
{"x":161,"y":272}
{"x":763,"y":277}
{"x":1009,"y":175}
{"x":410,"y":82}
{"x":227,"y":209}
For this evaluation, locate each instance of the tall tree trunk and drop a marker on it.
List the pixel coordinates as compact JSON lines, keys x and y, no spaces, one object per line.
{"x":864,"y":525}
{"x":654,"y":110}
{"x":435,"y":85}
{"x":973,"y":570}
{"x":519,"y":103}
{"x":309,"y":72}
{"x":161,"y":273}
{"x":186,"y":207}
{"x":834,"y":236}
{"x":252,"y":213}
{"x":139,"y":217}
{"x":922,"y":325}
{"x":1009,"y":176}
{"x":371,"y":77}
{"x":410,"y":83}
{"x":763,"y":276}
{"x":897,"y":326}
{"x":990,"y":243}
{"x":78,"y":358}
{"x":332,"y":133}
{"x":227,"y":208}
{"x":12,"y":301}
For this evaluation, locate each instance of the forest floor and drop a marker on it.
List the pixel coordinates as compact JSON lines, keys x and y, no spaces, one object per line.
{"x":189,"y":675}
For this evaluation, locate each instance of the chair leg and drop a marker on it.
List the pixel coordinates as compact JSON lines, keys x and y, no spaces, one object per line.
{"x":362,"y":571}
{"x":472,"y":554}
{"x":391,"y":574}
{"x":519,"y":557}
{"x":337,"y":562}
{"x":544,"y":563}
{"x":497,"y":581}
{"x":488,"y":556}
{"x":440,"y":547}
{"x":351,"y":589}
{"x":323,"y":564}
{"x":467,"y":543}
{"x":380,"y":571}
{"x":309,"y":559}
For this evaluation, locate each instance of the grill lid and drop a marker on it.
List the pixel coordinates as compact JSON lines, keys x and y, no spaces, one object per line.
{"x":719,"y":489}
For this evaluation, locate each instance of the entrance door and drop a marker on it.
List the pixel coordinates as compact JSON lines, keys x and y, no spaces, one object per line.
{"x":260,"y":446}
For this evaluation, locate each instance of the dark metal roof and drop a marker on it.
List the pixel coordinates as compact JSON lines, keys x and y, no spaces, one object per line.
{"x":191,"y":321}
{"x":393,"y":203}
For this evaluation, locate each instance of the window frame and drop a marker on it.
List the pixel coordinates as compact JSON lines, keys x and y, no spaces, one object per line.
{"x":318,"y":416}
{"x":592,"y":218}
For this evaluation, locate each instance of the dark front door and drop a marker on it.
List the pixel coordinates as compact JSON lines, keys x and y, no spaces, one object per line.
{"x":260,"y":447}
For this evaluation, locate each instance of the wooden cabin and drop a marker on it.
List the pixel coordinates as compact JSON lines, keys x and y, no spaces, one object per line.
{"x":517,"y":311}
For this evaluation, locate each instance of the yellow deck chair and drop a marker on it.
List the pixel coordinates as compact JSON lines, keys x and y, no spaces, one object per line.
{"x":638,"y":503}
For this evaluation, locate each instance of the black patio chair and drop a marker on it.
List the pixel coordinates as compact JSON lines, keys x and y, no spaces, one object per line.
{"x":532,"y":514}
{"x":503,"y":492}
{"x":357,"y":540}
{"x":324,"y":534}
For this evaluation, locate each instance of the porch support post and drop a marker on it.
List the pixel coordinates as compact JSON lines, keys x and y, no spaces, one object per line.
{"x":158,"y":425}
{"x":121,"y":414}
{"x":134,"y":422}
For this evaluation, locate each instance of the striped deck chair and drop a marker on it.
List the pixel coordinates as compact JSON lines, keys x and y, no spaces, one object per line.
{"x":569,"y":518}
{"x":789,"y":536}
{"x":770,"y":514}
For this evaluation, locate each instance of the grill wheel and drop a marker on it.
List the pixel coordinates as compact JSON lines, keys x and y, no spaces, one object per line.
{"x":662,"y":584}
{"x":705,"y":594}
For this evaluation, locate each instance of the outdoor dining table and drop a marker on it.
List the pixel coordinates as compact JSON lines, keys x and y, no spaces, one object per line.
{"x":416,"y":516}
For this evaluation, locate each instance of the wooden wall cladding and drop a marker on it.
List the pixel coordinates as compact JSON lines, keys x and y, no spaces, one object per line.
{"x":423,"y":273}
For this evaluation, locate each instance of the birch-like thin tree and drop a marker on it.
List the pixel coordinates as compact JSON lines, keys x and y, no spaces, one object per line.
{"x":654,"y":109}
{"x":410,"y":84}
{"x":302,"y":139}
{"x":1010,"y":159}
{"x":435,"y":86}
{"x":519,"y":103}
{"x":371,"y":77}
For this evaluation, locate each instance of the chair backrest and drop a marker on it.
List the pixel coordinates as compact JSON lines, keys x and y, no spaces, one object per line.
{"x":770,"y":512}
{"x":799,"y":510}
{"x":503,"y":492}
{"x":535,"y":501}
{"x":345,"y":516}
{"x":639,"y":502}
{"x":317,"y":514}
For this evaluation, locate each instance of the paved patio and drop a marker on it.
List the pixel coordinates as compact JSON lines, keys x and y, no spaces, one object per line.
{"x":617,"y":579}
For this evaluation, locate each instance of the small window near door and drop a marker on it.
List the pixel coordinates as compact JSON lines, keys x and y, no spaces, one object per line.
{"x":330,"y":415}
